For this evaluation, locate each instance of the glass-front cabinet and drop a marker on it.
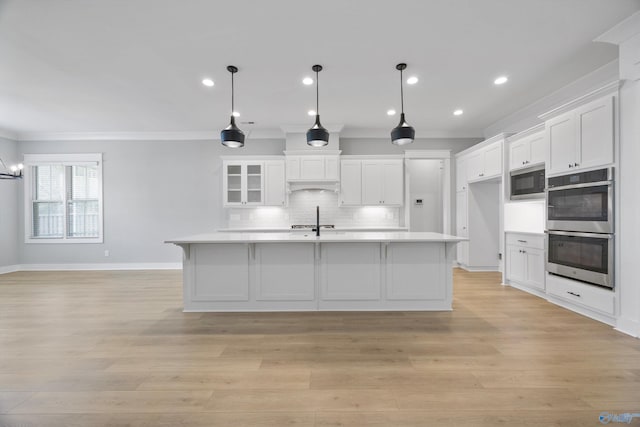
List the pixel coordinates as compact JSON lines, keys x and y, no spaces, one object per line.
{"x":243,"y":183}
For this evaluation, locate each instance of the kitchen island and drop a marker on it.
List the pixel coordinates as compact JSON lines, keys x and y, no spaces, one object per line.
{"x":300,"y":272}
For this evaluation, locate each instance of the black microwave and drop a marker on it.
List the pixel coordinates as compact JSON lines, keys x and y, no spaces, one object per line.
{"x":527,"y":183}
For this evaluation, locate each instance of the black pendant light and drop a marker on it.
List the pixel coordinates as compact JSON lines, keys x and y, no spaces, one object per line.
{"x":403,"y":133}
{"x":317,"y":136}
{"x":232,"y":136}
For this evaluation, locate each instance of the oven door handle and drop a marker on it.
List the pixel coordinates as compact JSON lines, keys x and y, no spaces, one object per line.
{"x":584,"y":185}
{"x":576,"y":234}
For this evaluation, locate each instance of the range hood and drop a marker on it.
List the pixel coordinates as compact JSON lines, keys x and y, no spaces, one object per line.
{"x":312,"y":168}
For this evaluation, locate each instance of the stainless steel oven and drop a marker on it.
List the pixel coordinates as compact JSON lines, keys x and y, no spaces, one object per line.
{"x":527,"y":183}
{"x":587,"y":257}
{"x":581,"y":201}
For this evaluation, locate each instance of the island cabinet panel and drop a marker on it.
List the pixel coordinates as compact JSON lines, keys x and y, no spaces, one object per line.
{"x":294,"y":259}
{"x":414,"y":271}
{"x":220,"y":272}
{"x":350,"y":271}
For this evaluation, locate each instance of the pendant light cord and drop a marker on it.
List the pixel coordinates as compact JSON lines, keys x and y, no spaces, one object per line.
{"x":401,"y":94}
{"x":317,"y":95}
{"x":232,"y":91}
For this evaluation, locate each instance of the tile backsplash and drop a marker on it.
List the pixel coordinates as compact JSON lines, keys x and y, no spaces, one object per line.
{"x":302,"y":210}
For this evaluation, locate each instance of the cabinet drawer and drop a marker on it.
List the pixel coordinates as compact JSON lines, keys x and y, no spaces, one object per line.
{"x":592,"y":297}
{"x":525,"y":240}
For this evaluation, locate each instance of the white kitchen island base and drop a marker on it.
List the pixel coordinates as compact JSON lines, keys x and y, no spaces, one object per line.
{"x":349,"y":271}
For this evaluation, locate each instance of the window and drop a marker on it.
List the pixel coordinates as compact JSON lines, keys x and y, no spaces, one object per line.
{"x":63,"y":198}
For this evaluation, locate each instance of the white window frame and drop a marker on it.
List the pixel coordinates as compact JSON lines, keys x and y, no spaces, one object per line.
{"x":89,"y":159}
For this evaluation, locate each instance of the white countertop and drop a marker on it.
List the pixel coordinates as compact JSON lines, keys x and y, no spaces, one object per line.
{"x":330,"y":237}
{"x":285,"y":229}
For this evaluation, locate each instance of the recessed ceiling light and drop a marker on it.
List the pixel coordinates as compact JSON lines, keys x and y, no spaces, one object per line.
{"x":308,"y":81}
{"x":458,"y":112}
{"x":391,"y":112}
{"x":207,"y":82}
{"x":311,"y":112}
{"x":500,"y":80}
{"x":235,"y":114}
{"x":412,"y":80}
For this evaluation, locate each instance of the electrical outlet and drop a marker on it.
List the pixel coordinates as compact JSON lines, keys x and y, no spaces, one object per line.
{"x":106,"y":252}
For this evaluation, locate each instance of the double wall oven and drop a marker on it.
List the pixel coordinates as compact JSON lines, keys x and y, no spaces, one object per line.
{"x":580,"y":226}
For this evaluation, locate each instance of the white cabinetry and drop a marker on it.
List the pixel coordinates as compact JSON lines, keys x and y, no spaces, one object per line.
{"x":312,"y":168}
{"x":243,"y":183}
{"x":367,"y":182}
{"x":351,"y":183}
{"x":274,"y":183}
{"x":461,"y":173}
{"x":248,"y":183}
{"x":527,"y":150}
{"x":382,"y":182}
{"x":581,"y":138}
{"x":461,"y":227}
{"x":525,"y":260}
{"x":485,"y":163}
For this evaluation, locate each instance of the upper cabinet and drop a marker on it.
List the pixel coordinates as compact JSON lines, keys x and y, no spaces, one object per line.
{"x":382,"y":182}
{"x":372,"y":182}
{"x":313,"y":168}
{"x":527,"y":151}
{"x":248,"y":183}
{"x":485,"y":163}
{"x":581,"y":138}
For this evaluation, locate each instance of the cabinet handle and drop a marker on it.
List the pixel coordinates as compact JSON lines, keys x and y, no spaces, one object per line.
{"x":522,"y":241}
{"x":570,"y":165}
{"x":576,"y":164}
{"x":574,"y":294}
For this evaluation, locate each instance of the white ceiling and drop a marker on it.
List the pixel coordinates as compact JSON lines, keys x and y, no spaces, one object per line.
{"x":137,"y":65}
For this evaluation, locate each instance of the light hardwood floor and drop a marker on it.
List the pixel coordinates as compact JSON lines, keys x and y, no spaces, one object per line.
{"x":114,"y":349}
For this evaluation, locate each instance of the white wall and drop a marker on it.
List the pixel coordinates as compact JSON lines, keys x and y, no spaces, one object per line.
{"x":156,"y":190}
{"x":153,"y":191}
{"x":9,"y":207}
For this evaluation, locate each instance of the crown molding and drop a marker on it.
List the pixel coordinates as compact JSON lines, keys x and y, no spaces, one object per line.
{"x":379,"y":133}
{"x":621,"y":31}
{"x":532,"y":130}
{"x":7,"y":134}
{"x":142,"y":136}
{"x":608,"y":89}
{"x":332,"y":127}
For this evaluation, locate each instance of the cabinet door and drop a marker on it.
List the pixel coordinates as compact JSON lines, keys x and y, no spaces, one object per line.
{"x":492,"y":160}
{"x":274,"y":183}
{"x":233,"y":183}
{"x":392,"y":183}
{"x":254,"y":172}
{"x":351,"y":182}
{"x":475,"y":167}
{"x":312,"y":167}
{"x":331,"y":170}
{"x":561,"y":137}
{"x":461,"y":213}
{"x":519,"y":153}
{"x":461,"y":174}
{"x":595,"y":133}
{"x":293,"y":167}
{"x":534,"y":268}
{"x":371,"y":182}
{"x":538,"y":149}
{"x":516,"y":264}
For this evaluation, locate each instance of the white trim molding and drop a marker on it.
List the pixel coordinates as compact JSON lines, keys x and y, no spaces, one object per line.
{"x":100,"y":266}
{"x":7,"y":134}
{"x":610,"y":88}
{"x":427,"y":154}
{"x":9,"y":269}
{"x":628,"y":326}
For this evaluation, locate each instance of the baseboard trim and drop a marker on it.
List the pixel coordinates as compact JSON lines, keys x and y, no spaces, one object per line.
{"x":479,"y":269}
{"x":9,"y":269}
{"x":96,"y":267}
{"x":628,"y":326}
